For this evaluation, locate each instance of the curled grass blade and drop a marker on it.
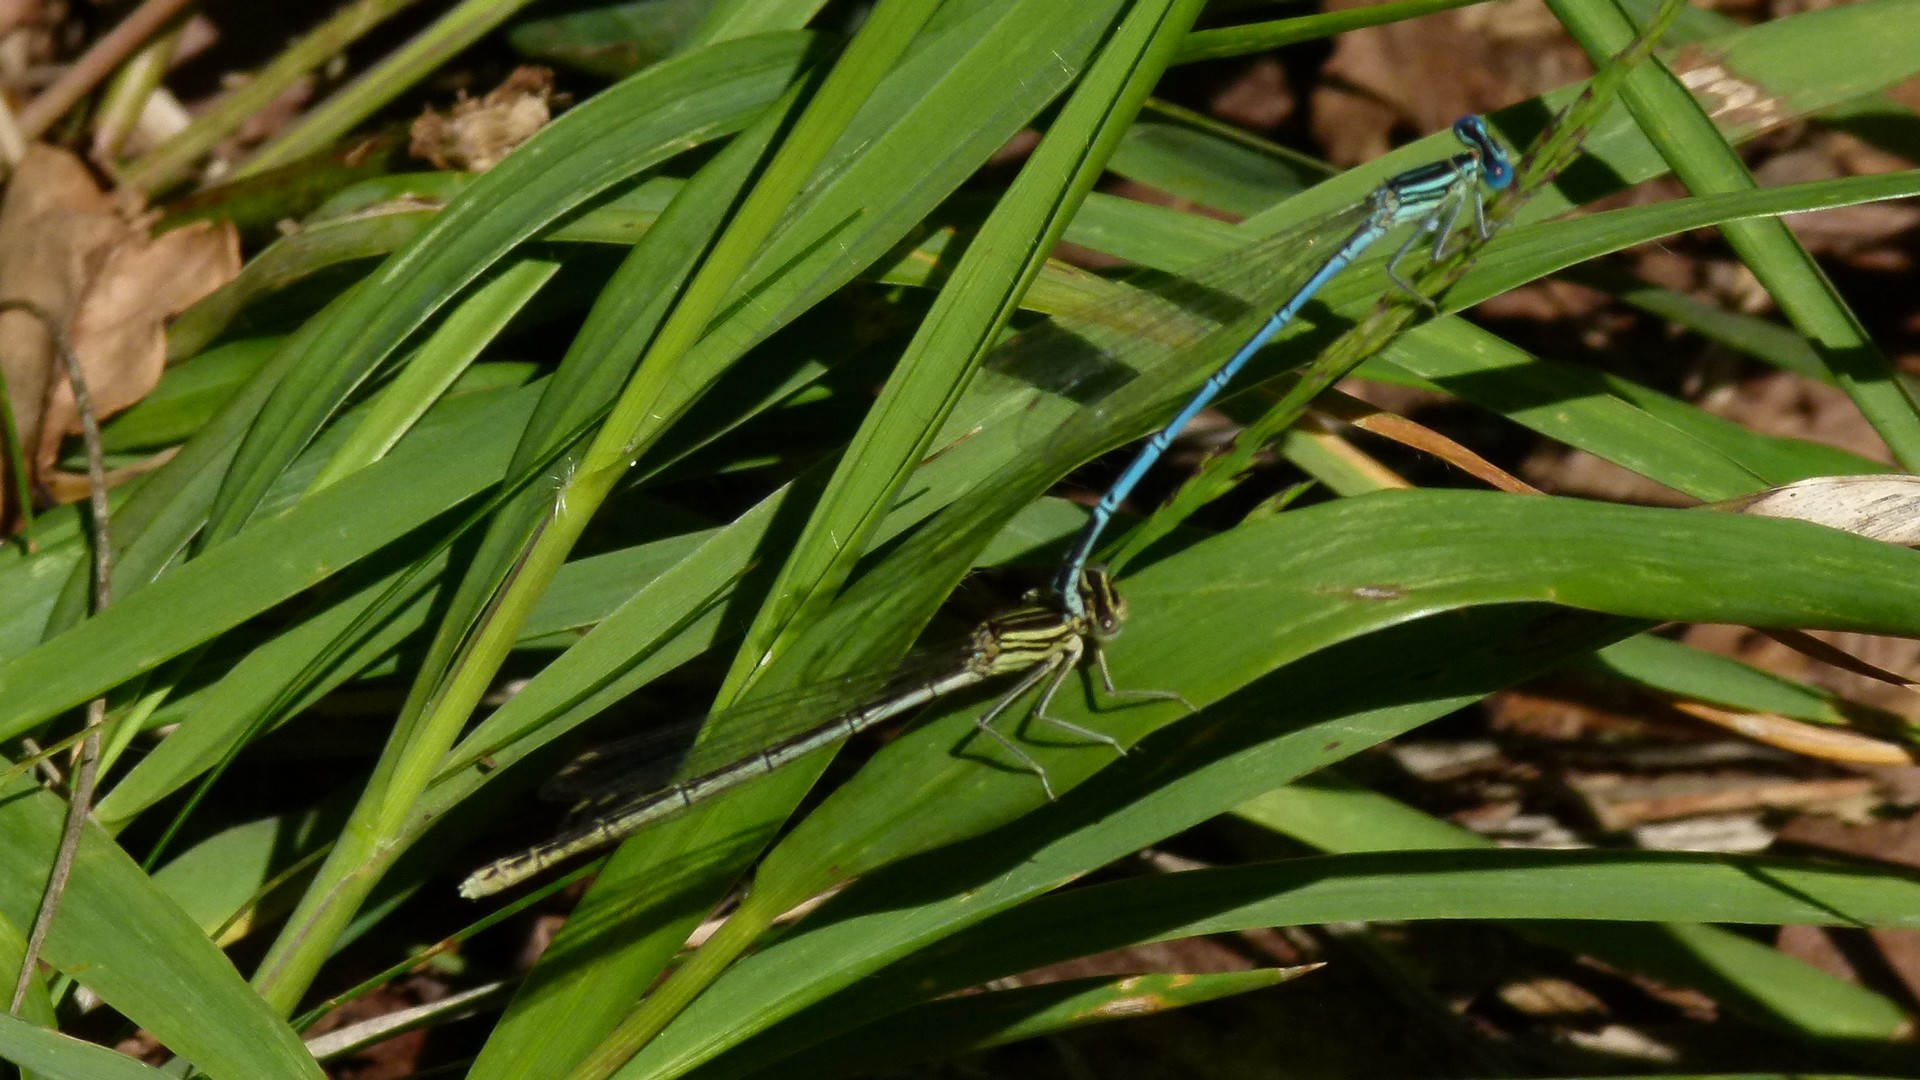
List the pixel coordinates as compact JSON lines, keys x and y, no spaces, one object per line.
{"x":1350,"y":575}
{"x":1762,"y":984}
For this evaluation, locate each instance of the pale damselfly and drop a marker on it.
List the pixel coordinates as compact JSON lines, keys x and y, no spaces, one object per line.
{"x":1434,"y":195}
{"x":1038,"y":641}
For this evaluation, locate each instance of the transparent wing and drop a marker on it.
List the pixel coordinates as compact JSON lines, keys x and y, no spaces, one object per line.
{"x":1155,"y":336}
{"x":653,"y":759}
{"x":1139,"y":348}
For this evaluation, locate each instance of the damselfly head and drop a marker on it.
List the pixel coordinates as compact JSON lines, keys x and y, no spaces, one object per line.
{"x":1106,"y":608}
{"x":1495,"y":169}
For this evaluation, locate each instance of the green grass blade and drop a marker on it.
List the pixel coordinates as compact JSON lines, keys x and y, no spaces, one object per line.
{"x":1687,"y":139}
{"x":1762,"y":984}
{"x":187,"y":398}
{"x":1203,"y":624}
{"x":1659,"y":437}
{"x":1753,"y":335}
{"x":54,"y":1056}
{"x":170,"y":162}
{"x":1671,"y":667}
{"x":1444,"y":884}
{"x":939,"y":1030}
{"x":664,"y":623}
{"x":377,"y":86}
{"x":1208,"y":162}
{"x":270,"y":683}
{"x":121,"y":937}
{"x":440,"y":361}
{"x":678,"y":103}
{"x":598,"y":362}
{"x":727,"y":19}
{"x":1259,"y":37}
{"x":356,"y":517}
{"x":1529,"y":252}
{"x":645,"y":120}
{"x":646,"y":407}
{"x":965,"y":323}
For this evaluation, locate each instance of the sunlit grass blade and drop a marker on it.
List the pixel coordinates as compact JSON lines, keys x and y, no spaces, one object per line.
{"x":1350,"y":590}
{"x":604,"y":141}
{"x":1689,"y":141}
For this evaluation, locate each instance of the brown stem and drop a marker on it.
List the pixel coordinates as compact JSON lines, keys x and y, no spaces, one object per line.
{"x":80,"y":803}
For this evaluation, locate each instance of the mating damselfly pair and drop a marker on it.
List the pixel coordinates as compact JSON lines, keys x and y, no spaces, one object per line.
{"x":1040,"y":642}
{"x":1052,"y":636}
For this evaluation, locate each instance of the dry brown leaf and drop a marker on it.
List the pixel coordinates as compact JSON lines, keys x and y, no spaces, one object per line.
{"x":56,"y":228}
{"x":119,"y":329}
{"x":84,"y":256}
{"x":1807,"y":740}
{"x":1878,"y":506}
{"x":476,"y":135}
{"x":60,"y":488}
{"x":1390,"y":425}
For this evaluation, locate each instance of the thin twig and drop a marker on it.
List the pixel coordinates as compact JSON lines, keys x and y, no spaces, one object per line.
{"x":80,"y":801}
{"x":96,"y":64}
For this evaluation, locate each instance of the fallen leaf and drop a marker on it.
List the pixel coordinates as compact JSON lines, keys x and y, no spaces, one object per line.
{"x":84,"y":257}
{"x":120,"y":329}
{"x":56,"y":228}
{"x":477,"y":135}
{"x":1878,"y":506}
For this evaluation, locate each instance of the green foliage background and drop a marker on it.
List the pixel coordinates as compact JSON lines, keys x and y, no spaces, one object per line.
{"x":380,"y":475}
